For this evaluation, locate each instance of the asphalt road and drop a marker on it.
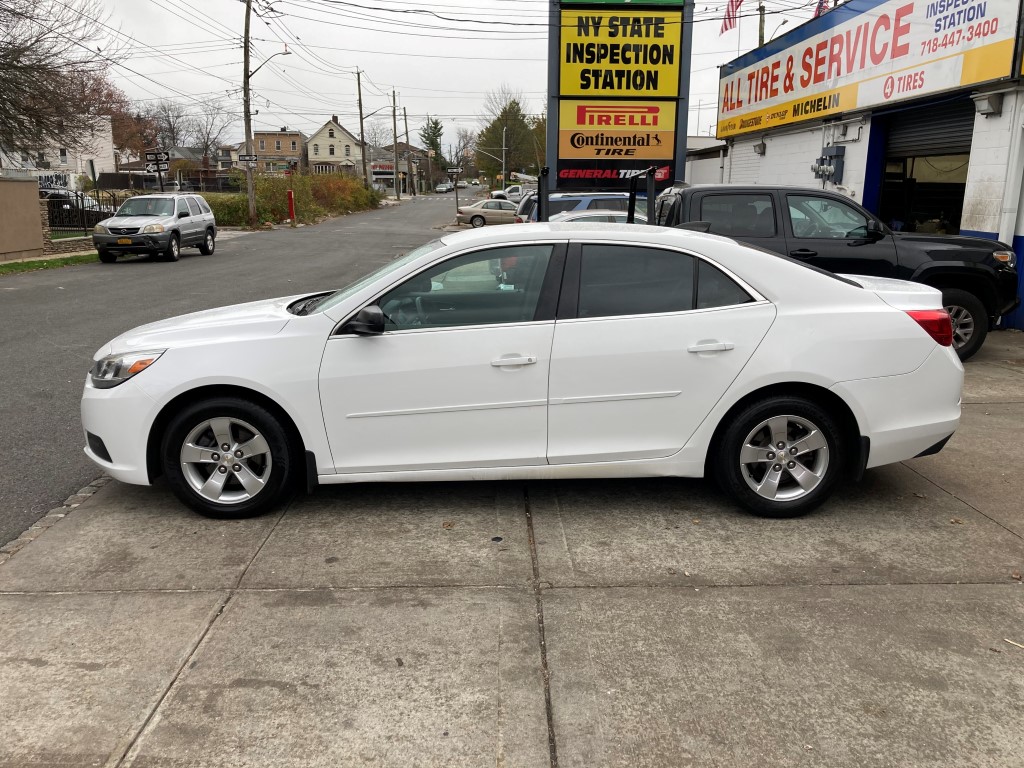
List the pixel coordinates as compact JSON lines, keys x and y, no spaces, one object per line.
{"x":51,"y":323}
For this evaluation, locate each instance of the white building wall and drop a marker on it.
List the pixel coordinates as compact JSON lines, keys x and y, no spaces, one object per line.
{"x":990,"y":174}
{"x":704,"y":170}
{"x":788,"y":157}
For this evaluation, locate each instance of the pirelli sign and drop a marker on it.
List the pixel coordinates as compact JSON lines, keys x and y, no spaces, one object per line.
{"x":616,"y":129}
{"x":620,"y":89}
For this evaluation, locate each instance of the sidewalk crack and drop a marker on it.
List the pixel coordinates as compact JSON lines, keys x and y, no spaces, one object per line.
{"x":538,"y":594}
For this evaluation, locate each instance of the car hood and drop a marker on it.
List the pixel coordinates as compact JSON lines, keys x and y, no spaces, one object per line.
{"x":239,"y":322}
{"x":129,"y":222}
{"x":951,"y":241}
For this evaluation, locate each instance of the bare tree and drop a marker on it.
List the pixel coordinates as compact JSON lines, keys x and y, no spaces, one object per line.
{"x":174,"y":125}
{"x":378,"y":133}
{"x":209,"y":125}
{"x":465,"y":138}
{"x":496,"y":102}
{"x":52,"y":52}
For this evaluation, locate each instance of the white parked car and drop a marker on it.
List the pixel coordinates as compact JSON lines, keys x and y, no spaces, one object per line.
{"x":535,"y":352}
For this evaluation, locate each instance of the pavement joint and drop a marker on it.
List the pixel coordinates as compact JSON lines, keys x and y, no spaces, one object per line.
{"x":538,"y":593}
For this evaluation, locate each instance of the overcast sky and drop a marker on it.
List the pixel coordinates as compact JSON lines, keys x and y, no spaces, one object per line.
{"x":190,"y":50}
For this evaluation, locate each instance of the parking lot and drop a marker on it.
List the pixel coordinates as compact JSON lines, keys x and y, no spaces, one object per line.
{"x":586,"y":623}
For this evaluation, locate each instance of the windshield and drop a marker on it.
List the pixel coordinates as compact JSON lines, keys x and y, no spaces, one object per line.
{"x":147,"y":206}
{"x":339,"y":296}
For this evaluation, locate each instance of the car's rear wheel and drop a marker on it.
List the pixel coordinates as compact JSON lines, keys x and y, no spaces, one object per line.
{"x":107,"y":257}
{"x":227,"y":458}
{"x":780,"y":457}
{"x":173,"y":252}
{"x":477,"y":221}
{"x":209,"y":244}
{"x":969,"y":319}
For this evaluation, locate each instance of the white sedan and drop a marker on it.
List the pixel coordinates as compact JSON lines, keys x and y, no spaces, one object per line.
{"x":534,"y":352}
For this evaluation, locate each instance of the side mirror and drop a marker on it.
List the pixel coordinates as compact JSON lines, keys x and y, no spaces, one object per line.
{"x":875,"y":231}
{"x":369,"y":321}
{"x":183,"y":215}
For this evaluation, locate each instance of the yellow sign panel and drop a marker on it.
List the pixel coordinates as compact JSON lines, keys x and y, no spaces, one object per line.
{"x":635,"y":53}
{"x":628,"y":129}
{"x":819,"y":105}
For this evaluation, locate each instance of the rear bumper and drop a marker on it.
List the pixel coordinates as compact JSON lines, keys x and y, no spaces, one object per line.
{"x":906,"y":416}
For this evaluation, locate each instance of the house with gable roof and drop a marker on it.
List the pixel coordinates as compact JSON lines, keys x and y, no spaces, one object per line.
{"x":334,"y":149}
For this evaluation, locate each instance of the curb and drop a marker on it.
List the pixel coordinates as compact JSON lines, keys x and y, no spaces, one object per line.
{"x":51,"y":518}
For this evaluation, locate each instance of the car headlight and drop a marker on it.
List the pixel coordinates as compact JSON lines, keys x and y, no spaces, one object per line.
{"x":99,"y":229}
{"x":112,"y":370}
{"x":1009,"y":258}
{"x":152,"y":229}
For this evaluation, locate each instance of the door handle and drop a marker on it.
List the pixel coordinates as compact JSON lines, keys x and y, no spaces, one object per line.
{"x":503,"y":361}
{"x":711,"y":346}
{"x":803,"y":253}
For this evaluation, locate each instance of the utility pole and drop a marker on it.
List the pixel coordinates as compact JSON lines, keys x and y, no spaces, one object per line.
{"x":394,"y":142}
{"x":430,"y":171}
{"x":760,"y":24}
{"x":362,"y":140}
{"x":408,"y":155}
{"x":249,"y":184}
{"x":504,"y":149}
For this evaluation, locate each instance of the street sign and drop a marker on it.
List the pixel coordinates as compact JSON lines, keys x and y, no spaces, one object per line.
{"x":158,"y":157}
{"x":154,"y":167}
{"x":248,"y":158}
{"x":454,"y":170}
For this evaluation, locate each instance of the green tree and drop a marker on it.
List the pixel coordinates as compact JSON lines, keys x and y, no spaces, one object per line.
{"x":539,"y":134}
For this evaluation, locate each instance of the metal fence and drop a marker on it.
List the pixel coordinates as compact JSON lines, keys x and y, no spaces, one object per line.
{"x":76,"y":213}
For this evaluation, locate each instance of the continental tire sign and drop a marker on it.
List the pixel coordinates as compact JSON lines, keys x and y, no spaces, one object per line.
{"x":620,"y":66}
{"x":621,"y":129}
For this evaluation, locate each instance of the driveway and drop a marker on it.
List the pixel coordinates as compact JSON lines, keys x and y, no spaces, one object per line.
{"x":587,"y":623}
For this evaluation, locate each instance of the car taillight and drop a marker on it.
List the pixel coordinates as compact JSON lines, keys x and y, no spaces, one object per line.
{"x":936,"y":323}
{"x":519,"y":220}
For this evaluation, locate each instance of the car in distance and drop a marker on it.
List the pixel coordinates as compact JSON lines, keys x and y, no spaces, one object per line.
{"x":158,"y":225}
{"x":533,"y":352}
{"x":444,"y":186}
{"x":560,"y":202}
{"x":484,"y":212}
{"x":977,"y":277}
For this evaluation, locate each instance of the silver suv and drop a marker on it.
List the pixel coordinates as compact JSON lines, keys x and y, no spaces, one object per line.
{"x":157,"y":224}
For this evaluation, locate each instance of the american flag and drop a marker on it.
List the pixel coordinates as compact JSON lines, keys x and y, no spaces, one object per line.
{"x":732,"y":12}
{"x":821,"y":9}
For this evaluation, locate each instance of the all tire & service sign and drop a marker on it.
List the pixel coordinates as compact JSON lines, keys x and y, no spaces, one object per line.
{"x":622,"y":71}
{"x":865,"y":54}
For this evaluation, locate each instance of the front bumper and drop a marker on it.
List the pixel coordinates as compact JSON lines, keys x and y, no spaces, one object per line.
{"x":121,"y":418}
{"x":136,"y":244}
{"x":1007,"y":299}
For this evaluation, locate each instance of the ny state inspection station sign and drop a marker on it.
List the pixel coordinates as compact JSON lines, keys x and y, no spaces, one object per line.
{"x":621,"y":68}
{"x":864,"y":54}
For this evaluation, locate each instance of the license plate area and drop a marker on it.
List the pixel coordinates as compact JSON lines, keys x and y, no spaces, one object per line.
{"x":124,"y":241}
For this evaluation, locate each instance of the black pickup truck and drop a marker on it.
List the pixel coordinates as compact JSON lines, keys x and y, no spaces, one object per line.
{"x":977,"y":277}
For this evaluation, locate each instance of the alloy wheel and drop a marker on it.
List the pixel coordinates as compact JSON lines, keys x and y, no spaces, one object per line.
{"x":963,"y":325}
{"x":226,"y":460}
{"x":784,"y":458}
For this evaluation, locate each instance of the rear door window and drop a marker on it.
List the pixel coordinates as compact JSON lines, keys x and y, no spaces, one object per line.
{"x":193,"y":205}
{"x":739,"y":215}
{"x":620,"y":280}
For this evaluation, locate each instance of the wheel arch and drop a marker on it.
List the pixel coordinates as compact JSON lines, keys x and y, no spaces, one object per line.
{"x":163,"y":419}
{"x":856,"y":445}
{"x":972,"y":282}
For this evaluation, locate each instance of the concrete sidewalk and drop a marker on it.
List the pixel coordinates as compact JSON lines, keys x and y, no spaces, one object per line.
{"x":612,"y":623}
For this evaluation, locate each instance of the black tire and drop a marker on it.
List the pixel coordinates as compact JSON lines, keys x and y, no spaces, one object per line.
{"x":791,"y":499}
{"x":970,"y":321}
{"x":209,"y":243}
{"x":274,"y":467}
{"x":477,"y":221}
{"x":173,"y":252}
{"x":106,"y":257}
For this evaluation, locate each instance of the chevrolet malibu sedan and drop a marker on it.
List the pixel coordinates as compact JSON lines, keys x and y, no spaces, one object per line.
{"x":536,"y":352}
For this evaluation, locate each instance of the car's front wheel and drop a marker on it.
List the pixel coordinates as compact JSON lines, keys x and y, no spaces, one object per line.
{"x":227,"y":458}
{"x":173,"y":252}
{"x":209,"y":244}
{"x":780,"y":457}
{"x":969,"y":319}
{"x":107,"y":257}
